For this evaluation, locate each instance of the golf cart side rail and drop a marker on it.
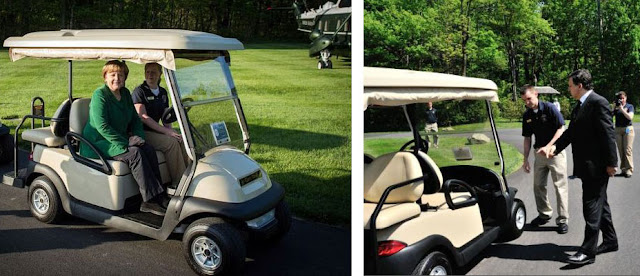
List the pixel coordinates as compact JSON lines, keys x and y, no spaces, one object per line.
{"x":376,"y":212}
{"x":104,"y":167}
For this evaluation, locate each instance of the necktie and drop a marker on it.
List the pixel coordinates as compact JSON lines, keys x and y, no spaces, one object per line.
{"x":575,"y":111}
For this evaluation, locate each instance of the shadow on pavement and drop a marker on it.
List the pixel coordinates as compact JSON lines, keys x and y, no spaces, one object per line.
{"x":534,"y":252}
{"x":531,"y":228}
{"x":50,"y":238}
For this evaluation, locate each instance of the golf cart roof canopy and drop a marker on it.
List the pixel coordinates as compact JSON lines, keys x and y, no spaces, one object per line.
{"x":393,"y":87}
{"x":136,"y":45}
{"x":546,"y":90}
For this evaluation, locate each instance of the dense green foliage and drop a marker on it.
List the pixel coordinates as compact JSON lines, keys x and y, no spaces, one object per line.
{"x":510,"y":42}
{"x":244,"y":19}
{"x":300,"y":130}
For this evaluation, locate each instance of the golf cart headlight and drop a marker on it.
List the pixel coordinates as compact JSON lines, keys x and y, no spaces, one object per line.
{"x":261,"y":221}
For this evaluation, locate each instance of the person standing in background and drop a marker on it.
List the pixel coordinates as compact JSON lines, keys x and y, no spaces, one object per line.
{"x":432,"y":124}
{"x":623,"y":112}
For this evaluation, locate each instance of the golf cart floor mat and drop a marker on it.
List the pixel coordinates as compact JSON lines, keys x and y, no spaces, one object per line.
{"x":145,"y":218}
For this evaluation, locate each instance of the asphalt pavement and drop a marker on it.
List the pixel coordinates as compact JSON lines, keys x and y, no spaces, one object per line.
{"x":78,"y":247}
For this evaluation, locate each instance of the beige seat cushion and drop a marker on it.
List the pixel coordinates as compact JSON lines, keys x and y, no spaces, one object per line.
{"x":390,"y":214}
{"x":42,"y":136}
{"x":390,"y":169}
{"x":121,"y":168}
{"x":437,"y":200}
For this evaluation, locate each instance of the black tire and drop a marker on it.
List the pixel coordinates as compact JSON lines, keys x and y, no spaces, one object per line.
{"x":220,"y":236}
{"x":320,"y":64}
{"x":514,"y":228}
{"x":44,"y":201}
{"x":434,"y":264}
{"x":329,"y":64}
{"x":283,"y":215}
{"x":6,"y":148}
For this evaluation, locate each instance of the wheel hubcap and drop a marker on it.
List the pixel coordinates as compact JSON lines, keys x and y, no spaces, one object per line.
{"x":520,"y":218}
{"x":40,"y":201}
{"x":206,"y":253}
{"x":438,"y":270}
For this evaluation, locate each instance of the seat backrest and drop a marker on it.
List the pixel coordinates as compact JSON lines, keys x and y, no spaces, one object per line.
{"x":60,"y":119}
{"x":79,"y":115}
{"x":433,"y":177}
{"x":390,"y":169}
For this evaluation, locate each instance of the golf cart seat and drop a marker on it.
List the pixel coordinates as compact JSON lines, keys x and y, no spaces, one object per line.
{"x":385,"y":171}
{"x":433,"y":196}
{"x":53,"y":135}
{"x":79,"y":114}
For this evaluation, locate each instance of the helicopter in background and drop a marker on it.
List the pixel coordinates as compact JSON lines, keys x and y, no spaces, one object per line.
{"x":329,"y":29}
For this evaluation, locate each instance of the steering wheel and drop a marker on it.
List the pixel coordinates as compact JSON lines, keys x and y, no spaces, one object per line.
{"x":423,"y":145}
{"x":169,"y":114}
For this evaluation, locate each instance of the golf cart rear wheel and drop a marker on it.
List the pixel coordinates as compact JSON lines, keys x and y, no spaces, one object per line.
{"x":44,"y":201}
{"x":213,"y":247}
{"x":513,"y":229}
{"x":6,"y":148}
{"x":436,"y":263}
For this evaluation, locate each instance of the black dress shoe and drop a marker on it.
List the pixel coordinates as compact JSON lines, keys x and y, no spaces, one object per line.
{"x":604,"y":248}
{"x":563,"y":228}
{"x":581,"y":259}
{"x":539,"y":221}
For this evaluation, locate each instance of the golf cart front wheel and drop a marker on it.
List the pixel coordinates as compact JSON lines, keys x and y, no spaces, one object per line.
{"x":513,"y":229}
{"x":213,"y":247}
{"x":436,"y":263}
{"x":44,"y":201}
{"x":283,"y":215}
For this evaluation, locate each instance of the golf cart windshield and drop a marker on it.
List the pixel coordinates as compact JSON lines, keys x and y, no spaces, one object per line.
{"x":213,"y":110}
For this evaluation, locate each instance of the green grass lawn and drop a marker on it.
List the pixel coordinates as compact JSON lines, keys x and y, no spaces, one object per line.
{"x":299,"y":117}
{"x":484,"y":155}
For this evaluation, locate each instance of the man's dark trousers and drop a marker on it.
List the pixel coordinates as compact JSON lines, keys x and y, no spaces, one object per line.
{"x":597,"y":214}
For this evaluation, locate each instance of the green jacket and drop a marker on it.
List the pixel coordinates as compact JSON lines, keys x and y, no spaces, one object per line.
{"x":110,"y":122}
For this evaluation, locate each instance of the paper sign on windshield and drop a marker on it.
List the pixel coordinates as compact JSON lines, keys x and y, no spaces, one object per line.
{"x":220,"y":133}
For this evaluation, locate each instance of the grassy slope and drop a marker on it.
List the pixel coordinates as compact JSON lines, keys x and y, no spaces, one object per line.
{"x":299,"y":117}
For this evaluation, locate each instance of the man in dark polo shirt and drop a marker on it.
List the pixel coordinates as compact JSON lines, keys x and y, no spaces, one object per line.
{"x":150,"y":100}
{"x":543,"y":120}
{"x":432,"y":124}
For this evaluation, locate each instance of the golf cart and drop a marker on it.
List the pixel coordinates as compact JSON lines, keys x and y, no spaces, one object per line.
{"x":223,"y":199}
{"x":428,"y":210}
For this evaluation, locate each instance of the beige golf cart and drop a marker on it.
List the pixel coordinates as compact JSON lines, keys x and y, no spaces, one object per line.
{"x":223,"y":199}
{"x":429,"y":210}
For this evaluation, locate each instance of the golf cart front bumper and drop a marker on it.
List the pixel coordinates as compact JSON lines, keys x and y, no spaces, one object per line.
{"x":244,"y":211}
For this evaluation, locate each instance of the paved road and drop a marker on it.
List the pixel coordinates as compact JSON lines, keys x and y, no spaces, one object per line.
{"x":542,"y":251}
{"x":78,"y":247}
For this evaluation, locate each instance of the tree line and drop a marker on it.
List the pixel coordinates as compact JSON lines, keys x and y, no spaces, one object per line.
{"x":512,"y":42}
{"x":247,"y":20}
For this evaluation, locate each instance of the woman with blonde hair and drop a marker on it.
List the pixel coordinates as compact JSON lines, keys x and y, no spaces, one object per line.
{"x":116,"y":131}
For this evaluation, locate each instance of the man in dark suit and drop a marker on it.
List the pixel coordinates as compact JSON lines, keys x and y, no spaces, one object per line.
{"x":592,"y":136}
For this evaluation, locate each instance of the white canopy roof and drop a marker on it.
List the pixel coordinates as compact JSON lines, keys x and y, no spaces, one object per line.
{"x":392,"y":87}
{"x":136,"y":45}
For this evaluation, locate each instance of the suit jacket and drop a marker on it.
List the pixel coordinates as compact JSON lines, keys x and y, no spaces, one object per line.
{"x":591,"y":134}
